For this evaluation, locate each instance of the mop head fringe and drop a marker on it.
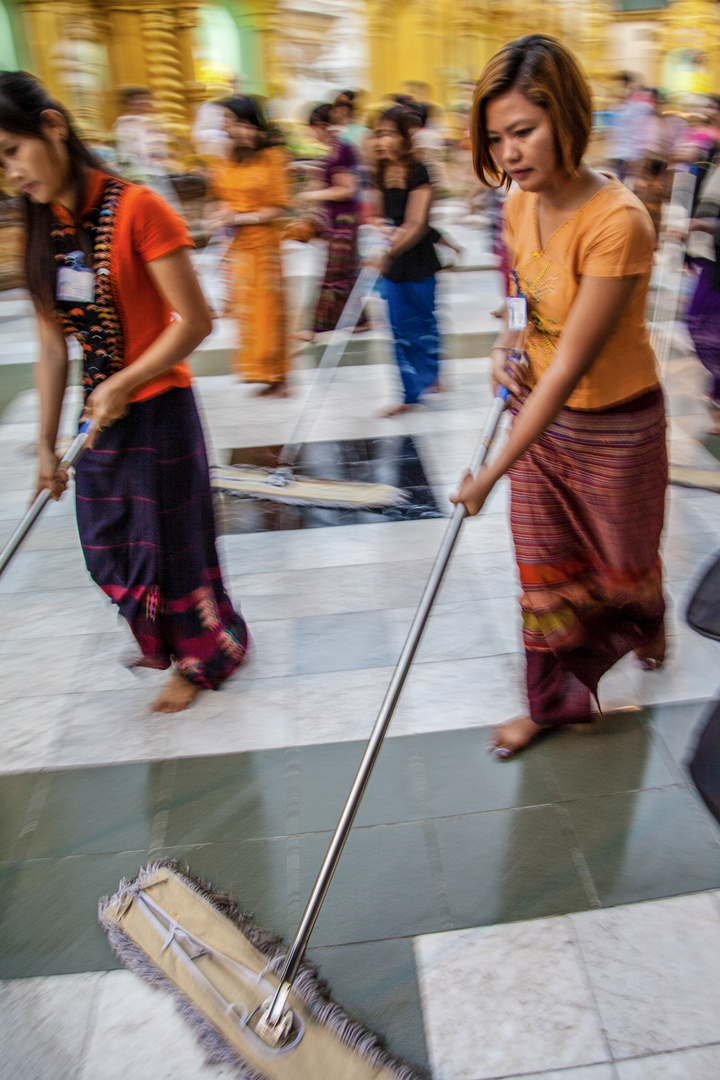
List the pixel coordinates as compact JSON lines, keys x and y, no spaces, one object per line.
{"x":249,"y":482}
{"x":688,"y":476}
{"x":331,"y":1038}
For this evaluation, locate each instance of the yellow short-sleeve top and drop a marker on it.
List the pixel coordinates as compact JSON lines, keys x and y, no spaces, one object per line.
{"x":611,"y":235}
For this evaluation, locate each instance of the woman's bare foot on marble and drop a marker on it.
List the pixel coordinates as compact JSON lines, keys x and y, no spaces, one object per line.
{"x":515,"y":735}
{"x":177,"y":694}
{"x":651,"y":657}
{"x":304,"y":335}
{"x":395,"y":410}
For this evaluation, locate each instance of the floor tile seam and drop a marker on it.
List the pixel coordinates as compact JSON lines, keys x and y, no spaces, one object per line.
{"x":578,"y":856}
{"x":91,"y":1024}
{"x":664,"y":1053}
{"x":590,"y":989}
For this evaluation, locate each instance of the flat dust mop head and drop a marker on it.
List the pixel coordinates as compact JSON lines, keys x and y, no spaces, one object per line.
{"x":247,"y":481}
{"x":173,"y":930}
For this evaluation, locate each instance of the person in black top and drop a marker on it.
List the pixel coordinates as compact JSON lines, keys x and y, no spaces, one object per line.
{"x":410,"y":265}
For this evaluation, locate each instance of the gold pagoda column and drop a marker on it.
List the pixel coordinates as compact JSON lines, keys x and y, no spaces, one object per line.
{"x":43,"y":21}
{"x":188,"y":18}
{"x":380,"y":33}
{"x":694,"y":24}
{"x":164,"y":66}
{"x":266,"y":16}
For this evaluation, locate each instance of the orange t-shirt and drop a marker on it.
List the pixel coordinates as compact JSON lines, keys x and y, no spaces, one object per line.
{"x":612,"y":235}
{"x":146,"y":228}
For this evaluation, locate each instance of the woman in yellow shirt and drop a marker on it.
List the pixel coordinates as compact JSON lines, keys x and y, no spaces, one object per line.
{"x":586,"y":454}
{"x":252,"y":189}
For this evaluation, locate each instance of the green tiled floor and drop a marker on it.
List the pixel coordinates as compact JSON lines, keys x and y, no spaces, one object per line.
{"x":447,"y":837}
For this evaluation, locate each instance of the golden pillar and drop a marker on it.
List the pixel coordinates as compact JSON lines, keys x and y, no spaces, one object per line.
{"x":164,"y":66}
{"x":266,"y":16}
{"x":43,"y":29}
{"x":694,"y":25}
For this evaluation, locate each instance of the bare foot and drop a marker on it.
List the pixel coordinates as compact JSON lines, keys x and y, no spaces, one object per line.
{"x":395,"y":410}
{"x":304,"y":335}
{"x":277,"y":389}
{"x":177,"y":694}
{"x":513,"y":736}
{"x":652,"y":656}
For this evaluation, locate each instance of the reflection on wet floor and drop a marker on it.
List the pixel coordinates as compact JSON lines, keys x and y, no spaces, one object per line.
{"x":392,"y":460}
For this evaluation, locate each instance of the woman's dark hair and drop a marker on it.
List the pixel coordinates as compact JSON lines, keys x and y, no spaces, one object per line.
{"x":321,"y":114}
{"x":346,"y":100}
{"x":420,"y":111}
{"x":23,"y":100}
{"x":547,"y":74}
{"x":402,"y":118}
{"x":249,"y":111}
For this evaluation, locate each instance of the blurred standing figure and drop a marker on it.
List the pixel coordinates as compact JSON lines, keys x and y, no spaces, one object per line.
{"x":429,"y":147}
{"x":586,"y":452}
{"x":337,"y":223}
{"x":624,"y":144}
{"x":703,"y":316}
{"x":344,"y":117}
{"x":141,"y":146}
{"x":410,"y":265}
{"x":252,"y":191}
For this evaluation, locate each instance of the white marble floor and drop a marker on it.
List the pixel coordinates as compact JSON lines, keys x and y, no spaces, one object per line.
{"x":626,"y":993}
{"x":620,"y":994}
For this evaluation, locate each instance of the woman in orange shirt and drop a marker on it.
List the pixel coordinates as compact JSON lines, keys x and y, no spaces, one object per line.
{"x":107,"y":261}
{"x":253,"y":193}
{"x":586,"y":454}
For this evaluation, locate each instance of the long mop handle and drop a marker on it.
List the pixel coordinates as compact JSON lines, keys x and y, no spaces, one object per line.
{"x":69,"y":459}
{"x":671,"y":263}
{"x":312,"y":910}
{"x":331,"y":357}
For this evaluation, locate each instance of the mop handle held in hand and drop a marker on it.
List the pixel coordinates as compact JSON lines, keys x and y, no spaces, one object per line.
{"x":68,"y":460}
{"x":299,"y":945}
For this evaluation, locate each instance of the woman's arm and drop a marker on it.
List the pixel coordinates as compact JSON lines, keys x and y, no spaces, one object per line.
{"x":342,"y":189}
{"x":175,"y":280}
{"x":51,"y":373}
{"x":598,"y":305}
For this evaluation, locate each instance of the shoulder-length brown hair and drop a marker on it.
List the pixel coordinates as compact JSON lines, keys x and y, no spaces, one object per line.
{"x":548,"y":74}
{"x":401,"y":117}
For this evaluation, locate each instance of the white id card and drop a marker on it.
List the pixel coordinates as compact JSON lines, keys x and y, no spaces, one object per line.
{"x":76,"y":286}
{"x":517,"y":312}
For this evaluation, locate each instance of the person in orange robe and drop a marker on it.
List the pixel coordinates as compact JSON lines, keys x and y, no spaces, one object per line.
{"x":252,"y":191}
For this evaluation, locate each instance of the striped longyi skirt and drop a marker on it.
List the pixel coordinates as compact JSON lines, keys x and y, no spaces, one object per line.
{"x":146,"y":524}
{"x":587,"y":510}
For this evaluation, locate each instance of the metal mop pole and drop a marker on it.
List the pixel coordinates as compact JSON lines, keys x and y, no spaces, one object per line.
{"x":69,"y":459}
{"x":361,"y":290}
{"x":272,"y":1023}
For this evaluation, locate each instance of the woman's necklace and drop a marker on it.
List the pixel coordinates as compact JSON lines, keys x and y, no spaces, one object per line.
{"x":395,"y":176}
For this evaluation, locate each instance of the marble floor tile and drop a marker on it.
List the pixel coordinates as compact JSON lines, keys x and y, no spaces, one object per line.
{"x":702,"y":1063}
{"x":112,"y":726}
{"x":55,"y":614}
{"x":139,"y":1032}
{"x":30,"y":727}
{"x":336,"y":706}
{"x":59,"y":1012}
{"x":510,"y":999}
{"x":34,"y":571}
{"x":254,"y":716}
{"x":655,"y":973}
{"x":587,"y":1072}
{"x":47,"y":664}
{"x":460,"y":694}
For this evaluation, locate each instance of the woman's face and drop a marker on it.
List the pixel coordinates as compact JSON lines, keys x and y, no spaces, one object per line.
{"x":243,"y":135}
{"x":522,"y":141}
{"x":388,"y":141}
{"x":322,"y":133}
{"x":37,"y":167}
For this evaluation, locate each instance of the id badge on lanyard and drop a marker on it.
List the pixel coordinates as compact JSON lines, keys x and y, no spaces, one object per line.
{"x":75,"y":281}
{"x":517,"y":309}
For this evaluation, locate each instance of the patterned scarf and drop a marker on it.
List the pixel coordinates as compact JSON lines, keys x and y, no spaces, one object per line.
{"x":96,"y":325}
